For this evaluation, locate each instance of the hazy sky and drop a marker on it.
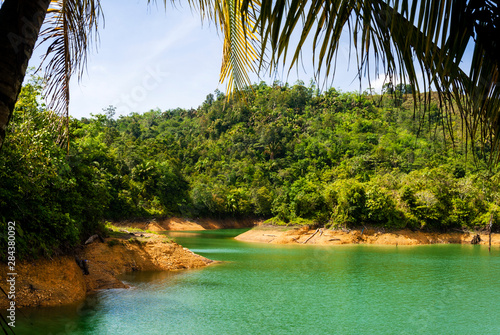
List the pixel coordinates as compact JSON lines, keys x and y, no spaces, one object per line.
{"x":151,"y":58}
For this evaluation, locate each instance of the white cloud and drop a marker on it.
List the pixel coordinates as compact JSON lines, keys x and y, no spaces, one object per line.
{"x":378,"y":83}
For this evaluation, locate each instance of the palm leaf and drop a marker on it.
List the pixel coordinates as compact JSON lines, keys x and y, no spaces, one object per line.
{"x":241,"y":45}
{"x":239,"y":54}
{"x":71,"y":28}
{"x":406,"y":40}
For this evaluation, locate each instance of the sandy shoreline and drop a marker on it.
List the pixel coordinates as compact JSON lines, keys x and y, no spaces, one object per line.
{"x":304,"y":235}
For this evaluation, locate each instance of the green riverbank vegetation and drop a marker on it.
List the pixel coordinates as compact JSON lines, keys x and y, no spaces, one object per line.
{"x":286,"y":153}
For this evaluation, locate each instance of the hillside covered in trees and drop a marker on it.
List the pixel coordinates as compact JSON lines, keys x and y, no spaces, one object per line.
{"x":285,"y":153}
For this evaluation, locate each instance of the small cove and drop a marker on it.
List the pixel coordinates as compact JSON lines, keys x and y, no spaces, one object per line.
{"x":289,"y":289}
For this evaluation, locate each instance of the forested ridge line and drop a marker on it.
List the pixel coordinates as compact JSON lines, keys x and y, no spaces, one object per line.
{"x":290,"y":154}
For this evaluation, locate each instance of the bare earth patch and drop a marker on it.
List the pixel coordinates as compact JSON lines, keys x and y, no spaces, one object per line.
{"x":304,"y":235}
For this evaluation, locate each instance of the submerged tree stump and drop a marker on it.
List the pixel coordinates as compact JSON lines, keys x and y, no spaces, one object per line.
{"x":476,"y":239}
{"x":490,"y":226}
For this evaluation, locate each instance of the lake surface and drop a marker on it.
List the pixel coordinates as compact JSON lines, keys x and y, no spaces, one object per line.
{"x":272,"y":289}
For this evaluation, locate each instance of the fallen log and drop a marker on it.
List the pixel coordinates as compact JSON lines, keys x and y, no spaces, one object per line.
{"x":310,"y":237}
{"x":93,"y":238}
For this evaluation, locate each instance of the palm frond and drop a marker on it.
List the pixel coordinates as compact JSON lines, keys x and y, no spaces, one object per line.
{"x":71,"y":28}
{"x":240,"y":54}
{"x":241,"y":44}
{"x":414,"y":41}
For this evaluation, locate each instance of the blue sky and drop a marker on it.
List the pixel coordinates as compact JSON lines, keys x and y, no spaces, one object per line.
{"x":149,"y":57}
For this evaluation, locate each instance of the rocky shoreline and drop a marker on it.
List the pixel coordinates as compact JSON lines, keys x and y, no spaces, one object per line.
{"x":61,"y":281}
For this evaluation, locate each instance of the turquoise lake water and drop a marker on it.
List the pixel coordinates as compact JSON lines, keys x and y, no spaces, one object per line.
{"x":273,"y":289}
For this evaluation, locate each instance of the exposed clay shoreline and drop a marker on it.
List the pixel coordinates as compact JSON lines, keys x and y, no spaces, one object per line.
{"x":60,"y":281}
{"x":305,"y":235}
{"x":185,"y":224}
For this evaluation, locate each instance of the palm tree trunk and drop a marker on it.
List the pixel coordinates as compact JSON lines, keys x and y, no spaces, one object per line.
{"x":20,"y":23}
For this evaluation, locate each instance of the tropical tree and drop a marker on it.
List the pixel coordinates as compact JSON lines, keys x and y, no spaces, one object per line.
{"x":70,"y":28}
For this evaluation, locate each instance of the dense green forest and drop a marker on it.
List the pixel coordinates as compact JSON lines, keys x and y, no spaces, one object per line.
{"x":290,"y":154}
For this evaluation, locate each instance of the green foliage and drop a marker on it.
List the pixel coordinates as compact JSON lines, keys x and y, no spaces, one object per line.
{"x":349,"y":203}
{"x":284,"y":153}
{"x":53,"y":204}
{"x":381,"y":208}
{"x":305,"y":198}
